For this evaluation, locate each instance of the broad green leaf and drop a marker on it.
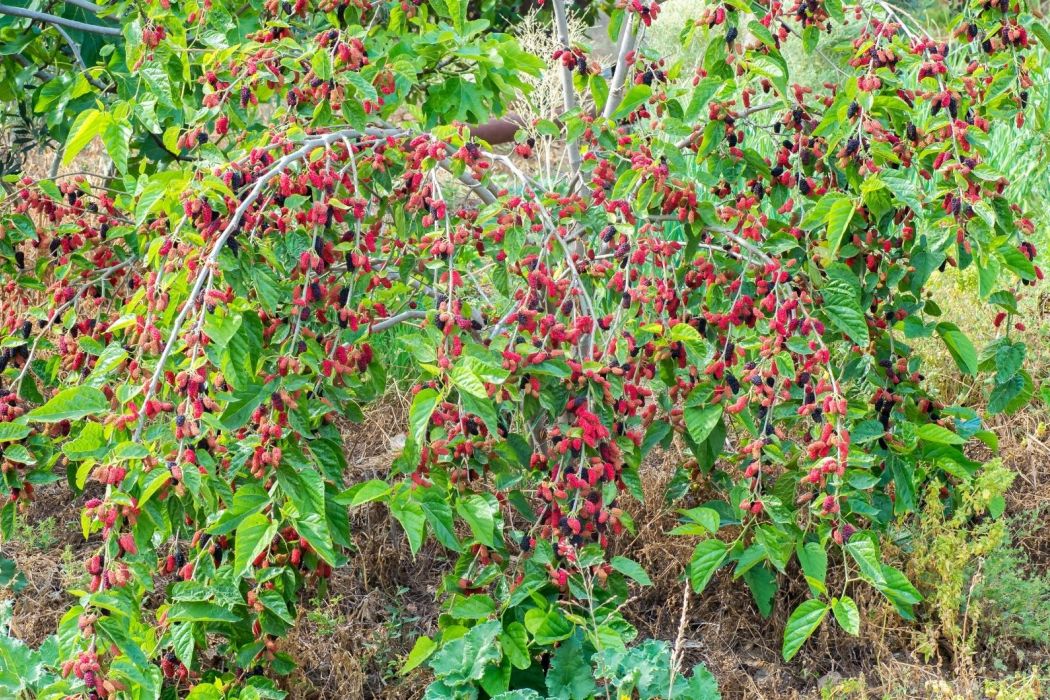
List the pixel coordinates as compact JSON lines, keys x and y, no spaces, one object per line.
{"x":13,"y":431}
{"x":86,"y":127}
{"x":838,"y":219}
{"x":803,"y":622}
{"x":423,"y":405}
{"x":846,"y":613}
{"x":932,"y":432}
{"x":843,"y":310}
{"x":254,"y":535}
{"x":475,"y":607}
{"x":701,"y":420}
{"x":480,"y":514}
{"x":116,"y":135}
{"x":515,"y":642}
{"x":959,"y":346}
{"x":708,"y":518}
{"x":706,"y":559}
{"x":421,"y":651}
{"x":635,"y":96}
{"x":70,"y":404}
{"x":631,"y":569}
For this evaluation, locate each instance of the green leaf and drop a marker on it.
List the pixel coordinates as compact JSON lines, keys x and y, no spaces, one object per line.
{"x":569,"y":676}
{"x":467,"y":381}
{"x":200,"y":611}
{"x":86,"y":127}
{"x":70,"y":404}
{"x":702,"y":94}
{"x":464,"y":659}
{"x":423,"y":406}
{"x":475,"y":607}
{"x":839,"y":217}
{"x":708,"y":518}
{"x":701,"y":421}
{"x":412,"y":519}
{"x":631,"y":569}
{"x":959,"y":346}
{"x":547,"y":626}
{"x":634,"y":97}
{"x":843,"y":310}
{"x":13,"y":431}
{"x":438,"y":513}
{"x":480,"y":514}
{"x":117,"y":138}
{"x":846,"y":613}
{"x":1008,"y":360}
{"x":515,"y":642}
{"x":763,"y":585}
{"x":706,"y":559}
{"x":932,"y":432}
{"x":803,"y":622}
{"x":865,"y":552}
{"x":254,"y":535}
{"x":365,"y":492}
{"x":421,"y":651}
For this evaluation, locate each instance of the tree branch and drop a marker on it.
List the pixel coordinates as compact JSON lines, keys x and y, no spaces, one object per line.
{"x":58,"y":21}
{"x":619,"y":79}
{"x":234,"y":224}
{"x":413,"y":314}
{"x":85,"y":5}
{"x":561,"y":21}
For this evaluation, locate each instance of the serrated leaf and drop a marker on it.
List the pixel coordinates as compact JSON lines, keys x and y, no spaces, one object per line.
{"x":423,"y":405}
{"x":701,"y":420}
{"x":838,"y":219}
{"x":254,"y":535}
{"x":631,"y":569}
{"x":475,"y":607}
{"x":634,"y":97}
{"x":480,"y":514}
{"x":803,"y":622}
{"x":706,"y":559}
{"x":846,"y":614}
{"x":116,"y":136}
{"x":708,"y":518}
{"x":421,"y":651}
{"x":70,"y":404}
{"x":959,"y":346}
{"x":932,"y":432}
{"x":86,"y":127}
{"x":843,"y":310}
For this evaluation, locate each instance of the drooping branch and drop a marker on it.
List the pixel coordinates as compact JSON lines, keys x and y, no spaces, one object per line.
{"x":58,"y":21}
{"x":234,"y":224}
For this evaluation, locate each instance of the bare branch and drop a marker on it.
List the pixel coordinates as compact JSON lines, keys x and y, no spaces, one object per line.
{"x":561,"y":21}
{"x":85,"y":5}
{"x":628,"y":35}
{"x":688,"y":140}
{"x":414,"y":314}
{"x":58,"y":21}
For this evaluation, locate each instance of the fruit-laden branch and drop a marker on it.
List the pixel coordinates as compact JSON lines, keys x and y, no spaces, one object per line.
{"x":58,"y":21}
{"x":283,"y":164}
